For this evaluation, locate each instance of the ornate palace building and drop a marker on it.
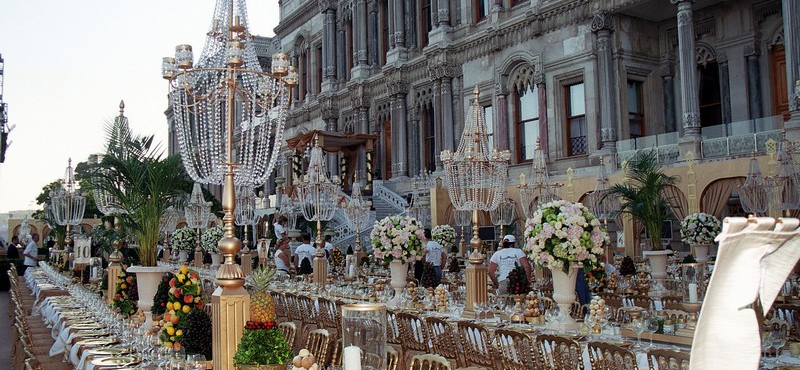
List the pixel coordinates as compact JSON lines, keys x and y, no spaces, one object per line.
{"x":705,"y":83}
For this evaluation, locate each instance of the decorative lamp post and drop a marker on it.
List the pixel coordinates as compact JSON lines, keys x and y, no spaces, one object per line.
{"x":67,"y":203}
{"x":541,"y":190}
{"x":318,"y":198}
{"x":227,"y":93}
{"x":246,"y":216}
{"x":476,"y":177}
{"x":358,"y":215}
{"x":198,"y":215}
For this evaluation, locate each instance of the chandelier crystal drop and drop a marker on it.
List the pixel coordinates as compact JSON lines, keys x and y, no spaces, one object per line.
{"x":227,"y":85}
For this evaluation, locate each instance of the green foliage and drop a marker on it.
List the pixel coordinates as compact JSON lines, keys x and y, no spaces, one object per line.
{"x":642,"y":196}
{"x":104,"y":237}
{"x":162,"y":295}
{"x":262,"y":347}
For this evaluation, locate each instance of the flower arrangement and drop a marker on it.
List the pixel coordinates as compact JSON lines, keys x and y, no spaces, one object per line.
{"x":185,"y":295}
{"x":561,"y":233}
{"x":700,"y":228}
{"x":126,"y":294}
{"x":211,"y":238}
{"x":184,"y":239}
{"x":397,"y":238}
{"x":444,"y":235}
{"x":162,"y":295}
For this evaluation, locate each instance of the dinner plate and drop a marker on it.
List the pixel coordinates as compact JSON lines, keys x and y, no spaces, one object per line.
{"x":112,"y":351}
{"x":86,"y":326}
{"x":96,"y":342}
{"x":116,"y":361}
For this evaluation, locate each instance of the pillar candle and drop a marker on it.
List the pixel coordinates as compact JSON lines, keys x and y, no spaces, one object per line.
{"x":352,"y":358}
{"x":693,"y":292}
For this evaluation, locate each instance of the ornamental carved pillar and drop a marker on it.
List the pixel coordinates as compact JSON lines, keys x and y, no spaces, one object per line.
{"x":753,"y":80}
{"x":603,"y":26}
{"x":360,"y":37}
{"x":443,"y":15}
{"x":541,"y":87}
{"x":668,"y":81}
{"x":398,"y":90}
{"x":501,"y":139}
{"x":437,"y":122}
{"x":688,"y":71}
{"x":791,"y":43}
{"x":373,"y":34}
{"x":329,"y":40}
{"x":725,"y":85}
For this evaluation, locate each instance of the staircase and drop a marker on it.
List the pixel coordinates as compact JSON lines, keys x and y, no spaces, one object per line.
{"x":385,"y":202}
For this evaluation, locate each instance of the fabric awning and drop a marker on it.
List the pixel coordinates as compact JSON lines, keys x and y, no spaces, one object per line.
{"x":333,"y":142}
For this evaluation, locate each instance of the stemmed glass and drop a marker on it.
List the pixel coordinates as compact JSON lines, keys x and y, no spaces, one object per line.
{"x":638,"y":327}
{"x":778,"y":336}
{"x":766,"y":344}
{"x":652,"y":327}
{"x":196,"y":362}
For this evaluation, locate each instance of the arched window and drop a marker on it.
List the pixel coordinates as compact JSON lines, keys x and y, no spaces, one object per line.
{"x":576,"y":119}
{"x":526,"y":121}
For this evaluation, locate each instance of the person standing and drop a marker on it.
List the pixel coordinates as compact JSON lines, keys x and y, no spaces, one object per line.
{"x":304,"y":251}
{"x":280,"y":227}
{"x":504,"y":261}
{"x":31,"y":252}
{"x":282,"y":257}
{"x":13,"y":251}
{"x":434,"y":254}
{"x":328,"y":246}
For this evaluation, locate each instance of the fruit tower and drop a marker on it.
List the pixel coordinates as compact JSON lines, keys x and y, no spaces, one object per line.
{"x":262,"y":342}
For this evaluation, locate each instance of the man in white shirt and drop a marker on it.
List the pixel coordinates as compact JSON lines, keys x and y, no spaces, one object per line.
{"x":328,"y":246}
{"x":435,"y":254}
{"x":280,"y":227}
{"x":304,"y":251}
{"x":31,"y":252}
{"x":505,"y":260}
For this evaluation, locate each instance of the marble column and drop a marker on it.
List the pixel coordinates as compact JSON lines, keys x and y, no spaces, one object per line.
{"x":410,"y":24}
{"x":791,"y":43}
{"x":725,"y":86}
{"x":669,"y":96}
{"x":501,"y":112}
{"x":329,"y":45}
{"x":341,"y":56}
{"x":447,"y":113}
{"x":400,"y":135}
{"x":753,"y":81}
{"x":688,"y":70}
{"x":541,"y":87}
{"x":437,"y":121}
{"x":373,"y":34}
{"x":296,"y":90}
{"x":603,"y":26}
{"x":414,"y":155}
{"x":398,"y":15}
{"x":360,"y":22}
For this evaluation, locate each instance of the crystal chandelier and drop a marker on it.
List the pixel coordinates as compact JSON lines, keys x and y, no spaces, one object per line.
{"x":504,"y":213}
{"x":475,"y":175}
{"x":318,"y":195}
{"x":198,"y":213}
{"x":753,"y":193}
{"x":229,"y":115}
{"x":67,"y":203}
{"x":245,"y":212}
{"x":598,"y":202}
{"x":783,"y":187}
{"x":106,"y":202}
{"x":541,"y":191}
{"x":358,"y":213}
{"x":420,"y":207}
{"x":168,"y":223}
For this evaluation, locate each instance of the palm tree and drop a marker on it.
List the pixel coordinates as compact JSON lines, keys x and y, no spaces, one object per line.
{"x":144,"y":184}
{"x":642,"y":196}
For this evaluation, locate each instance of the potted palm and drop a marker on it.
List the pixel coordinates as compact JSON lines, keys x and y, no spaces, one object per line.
{"x":144,"y":184}
{"x":643,"y":197}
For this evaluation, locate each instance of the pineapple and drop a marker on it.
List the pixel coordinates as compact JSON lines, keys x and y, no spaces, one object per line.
{"x":262,"y":308}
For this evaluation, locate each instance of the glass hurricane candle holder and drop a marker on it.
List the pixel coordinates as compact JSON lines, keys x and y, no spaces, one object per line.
{"x":364,"y":337}
{"x":693,"y":282}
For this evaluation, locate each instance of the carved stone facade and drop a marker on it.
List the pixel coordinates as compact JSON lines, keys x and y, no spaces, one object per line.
{"x":386,"y":64}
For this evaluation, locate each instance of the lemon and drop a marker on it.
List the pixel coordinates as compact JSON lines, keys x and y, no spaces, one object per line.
{"x":178,"y":333}
{"x":186,"y":309}
{"x":176,"y":306}
{"x":170,"y":330}
{"x":169,"y":306}
{"x":168,"y":344}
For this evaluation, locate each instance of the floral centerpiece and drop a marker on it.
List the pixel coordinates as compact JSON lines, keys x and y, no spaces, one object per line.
{"x":561,"y":233}
{"x":700,"y":228}
{"x":211,"y":238}
{"x":444,"y":235}
{"x":126,"y":294}
{"x":397,"y":238}
{"x":185,"y":295}
{"x":184,"y":239}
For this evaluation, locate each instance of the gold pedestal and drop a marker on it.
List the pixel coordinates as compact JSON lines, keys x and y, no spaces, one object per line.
{"x":198,"y":259}
{"x":320,"y":268}
{"x":476,"y":274}
{"x":114,"y":269}
{"x":230,"y":311}
{"x":247,"y":263}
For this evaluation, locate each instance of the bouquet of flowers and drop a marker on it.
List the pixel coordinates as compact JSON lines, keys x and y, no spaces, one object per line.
{"x":561,"y":233}
{"x":700,"y":228}
{"x":184,"y":239}
{"x":397,"y":238}
{"x":185,"y":295}
{"x":210,"y":239}
{"x":444,"y":235}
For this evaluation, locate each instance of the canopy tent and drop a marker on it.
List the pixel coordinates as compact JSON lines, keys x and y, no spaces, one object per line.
{"x":348,"y":145}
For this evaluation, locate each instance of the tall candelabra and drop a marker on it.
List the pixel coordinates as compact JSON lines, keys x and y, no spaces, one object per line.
{"x":476,"y":178}
{"x":504,"y":214}
{"x":246,"y":216}
{"x":198,"y":215}
{"x":541,"y":190}
{"x":67,"y":203}
{"x":420,"y":207}
{"x":167,"y":225}
{"x":358,"y":213}
{"x":599,"y":203}
{"x":318,"y":196}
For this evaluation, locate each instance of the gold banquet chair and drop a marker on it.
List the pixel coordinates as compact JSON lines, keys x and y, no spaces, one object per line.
{"x":559,"y":353}
{"x":607,"y":356}
{"x":665,"y":359}
{"x":429,"y":362}
{"x":444,"y":339}
{"x":289,"y":331}
{"x":516,"y":350}
{"x":476,"y":344}
{"x":317,"y":342}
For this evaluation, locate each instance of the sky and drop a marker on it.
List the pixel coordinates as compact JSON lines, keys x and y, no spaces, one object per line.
{"x":69,"y":63}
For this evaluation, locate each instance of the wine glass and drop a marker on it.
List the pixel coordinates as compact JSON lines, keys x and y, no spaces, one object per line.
{"x":778,"y":336}
{"x":163,"y":355}
{"x":766,"y":344}
{"x":652,"y":327}
{"x":551,"y":316}
{"x":638,"y":326}
{"x":196,"y":362}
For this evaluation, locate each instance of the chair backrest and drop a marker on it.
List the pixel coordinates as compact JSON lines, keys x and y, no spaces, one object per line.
{"x":336,"y":356}
{"x":392,"y":358}
{"x":667,"y":359}
{"x":444,"y":339}
{"x":392,"y":328}
{"x":791,"y":314}
{"x":578,"y":310}
{"x":327,"y":313}
{"x":280,"y":304}
{"x":516,"y":350}
{"x":413,"y":332}
{"x":317,"y":342}
{"x":559,"y":352}
{"x":476,"y":344}
{"x":672,"y":302}
{"x":612,"y":300}
{"x":674,"y":315}
{"x":32,"y":364}
{"x":642,"y":301}
{"x":607,"y":356}
{"x":429,"y":362}
{"x":308,"y":308}
{"x":547,"y":303}
{"x":292,"y":307}
{"x":289,"y":330}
